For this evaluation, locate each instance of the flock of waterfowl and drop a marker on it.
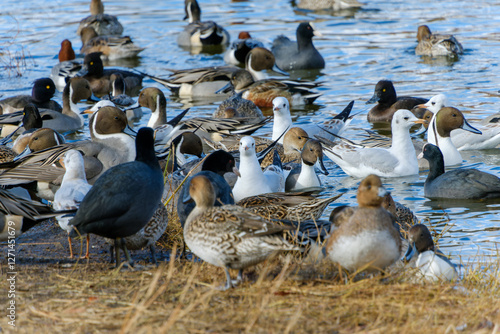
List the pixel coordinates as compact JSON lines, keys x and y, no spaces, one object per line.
{"x":245,"y":197}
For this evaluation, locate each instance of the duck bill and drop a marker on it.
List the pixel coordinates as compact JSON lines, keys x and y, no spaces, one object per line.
{"x":93,"y":98}
{"x":409,"y":253}
{"x":421,"y":130}
{"x":24,"y":153}
{"x":134,"y":106}
{"x":8,"y":138}
{"x":373,"y":99}
{"x":84,"y":71}
{"x":467,"y":127}
{"x":187,"y":198}
{"x":279,"y":70}
{"x":226,"y":89}
{"x":321,"y":166}
{"x":128,"y":130}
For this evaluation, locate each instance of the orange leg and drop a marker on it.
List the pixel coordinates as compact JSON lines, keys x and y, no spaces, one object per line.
{"x":87,"y":255}
{"x":70,"y":248}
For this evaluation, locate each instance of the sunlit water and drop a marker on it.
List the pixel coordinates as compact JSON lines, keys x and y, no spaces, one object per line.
{"x":360,"y":48}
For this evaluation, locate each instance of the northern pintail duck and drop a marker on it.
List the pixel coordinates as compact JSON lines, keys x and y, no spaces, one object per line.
{"x":253,"y":181}
{"x":38,"y":140}
{"x":336,"y":5}
{"x":367,"y":238}
{"x":299,"y":55}
{"x":439,"y":132}
{"x":404,"y":216}
{"x":103,"y":24}
{"x":119,"y":99}
{"x":236,"y":106}
{"x":110,"y":47}
{"x":213,"y":168}
{"x":73,"y":189}
{"x":230,"y":236}
{"x":70,"y":119}
{"x":430,"y":44}
{"x":67,"y":67}
{"x":239,"y":49}
{"x":287,"y":206}
{"x":99,"y":77}
{"x":206,"y":81}
{"x":263,"y":92}
{"x":283,"y":121}
{"x":388,"y":102}
{"x":123,"y":200}
{"x":41,"y":95}
{"x":199,"y":33}
{"x":466,"y":140}
{"x":432,"y":264}
{"x":460,"y":183}
{"x":305,"y":176}
{"x":399,"y":160}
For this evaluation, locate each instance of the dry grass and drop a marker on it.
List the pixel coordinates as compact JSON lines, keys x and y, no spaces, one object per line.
{"x":14,"y":63}
{"x":286,"y":294}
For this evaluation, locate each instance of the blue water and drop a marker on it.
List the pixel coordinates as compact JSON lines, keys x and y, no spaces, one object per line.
{"x":360,"y":48}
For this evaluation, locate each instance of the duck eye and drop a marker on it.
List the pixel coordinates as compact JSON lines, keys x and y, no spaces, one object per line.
{"x":383,"y":90}
{"x":36,"y":138}
{"x":116,"y":117}
{"x":91,"y":63}
{"x":48,"y":87}
{"x":454,"y":115}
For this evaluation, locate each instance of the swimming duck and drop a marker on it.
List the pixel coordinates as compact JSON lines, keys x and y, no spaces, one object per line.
{"x":236,"y":106}
{"x":389,"y":102}
{"x":120,"y":99}
{"x":283,"y":121}
{"x":432,"y":264}
{"x":263,"y":92}
{"x":399,"y":160}
{"x":206,"y":81}
{"x":439,"y":131}
{"x":253,"y":181}
{"x":299,"y":55}
{"x":239,"y":49}
{"x":103,"y":24}
{"x":67,"y":67}
{"x":199,"y":33}
{"x":368,"y":238}
{"x":430,"y":44}
{"x":110,"y":47}
{"x":123,"y":199}
{"x":41,"y":95}
{"x":335,"y":5}
{"x":305,"y":176}
{"x":230,"y":236}
{"x":458,"y":183}
{"x":297,"y":206}
{"x":70,"y":119}
{"x":99,"y":77}
{"x":465,"y":140}
{"x":73,"y":189}
{"x":30,"y":122}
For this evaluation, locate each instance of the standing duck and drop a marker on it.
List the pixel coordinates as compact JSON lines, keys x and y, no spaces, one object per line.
{"x":230,"y":236}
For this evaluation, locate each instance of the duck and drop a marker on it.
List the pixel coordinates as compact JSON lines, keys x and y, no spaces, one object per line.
{"x":30,"y":122}
{"x":123,"y":200}
{"x":263,"y":92}
{"x":239,"y":49}
{"x":41,"y":96}
{"x":119,"y":99}
{"x":252,"y":180}
{"x":439,"y":131}
{"x":336,"y":5}
{"x":206,"y":81}
{"x":103,"y":24}
{"x":99,"y":78}
{"x":430,"y":44}
{"x":305,"y":176}
{"x":463,"y":183}
{"x":67,"y":67}
{"x":299,"y":55}
{"x":198,"y":33}
{"x":432,"y":265}
{"x":73,"y":189}
{"x":229,"y":236}
{"x":213,"y":168}
{"x":283,"y":121}
{"x":70,"y":119}
{"x":110,"y":47}
{"x":398,"y":160}
{"x":36,"y":141}
{"x":297,"y":207}
{"x":466,"y":140}
{"x":367,"y":238}
{"x":236,"y":106}
{"x":388,"y":102}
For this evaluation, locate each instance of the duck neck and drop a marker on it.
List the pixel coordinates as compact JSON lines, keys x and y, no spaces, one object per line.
{"x":159,"y":115}
{"x":307,"y":177}
{"x":450,"y":152}
{"x":257,"y":75}
{"x":70,"y":107}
